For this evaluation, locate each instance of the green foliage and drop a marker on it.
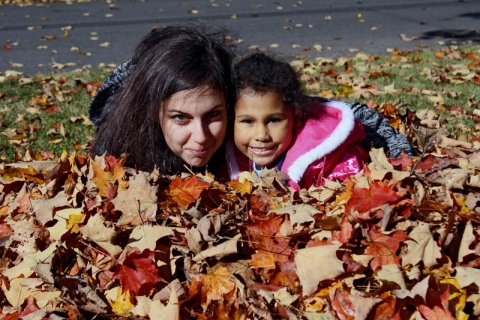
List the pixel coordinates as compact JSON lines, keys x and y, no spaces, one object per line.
{"x":46,"y":112}
{"x":446,"y":81}
{"x":49,"y":112}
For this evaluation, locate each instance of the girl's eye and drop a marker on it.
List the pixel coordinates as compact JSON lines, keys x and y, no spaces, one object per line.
{"x":275,"y":120}
{"x":247,"y":121}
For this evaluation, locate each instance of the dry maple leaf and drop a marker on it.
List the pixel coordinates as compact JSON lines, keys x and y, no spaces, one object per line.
{"x":366,"y":199}
{"x":138,"y":273}
{"x":217,"y":283}
{"x":103,"y":179}
{"x":186,"y":191}
{"x":384,"y":247}
{"x":316,"y":264}
{"x":138,"y":203}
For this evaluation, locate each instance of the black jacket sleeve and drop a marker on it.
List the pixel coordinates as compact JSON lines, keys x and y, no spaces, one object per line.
{"x":379,"y":133}
{"x":114,"y":82}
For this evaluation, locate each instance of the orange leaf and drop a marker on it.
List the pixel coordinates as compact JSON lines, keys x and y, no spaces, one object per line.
{"x":343,"y":306}
{"x":216,"y":284}
{"x":265,"y":235}
{"x":346,"y":195}
{"x":287,"y":277}
{"x":244,"y":187}
{"x":185,"y":192}
{"x":403,"y":163}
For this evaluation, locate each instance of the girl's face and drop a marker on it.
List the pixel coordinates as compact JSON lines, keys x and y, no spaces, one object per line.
{"x":194,"y":124}
{"x":263,"y":126}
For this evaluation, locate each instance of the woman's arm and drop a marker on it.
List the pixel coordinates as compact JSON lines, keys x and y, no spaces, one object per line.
{"x":379,"y":133}
{"x":114,"y":82}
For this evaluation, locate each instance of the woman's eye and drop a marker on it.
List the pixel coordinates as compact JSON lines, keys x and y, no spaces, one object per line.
{"x":247,"y":121}
{"x":213,"y":114}
{"x":179,"y":118}
{"x":275,"y":120}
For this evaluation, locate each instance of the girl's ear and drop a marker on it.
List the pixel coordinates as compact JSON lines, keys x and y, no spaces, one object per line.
{"x":297,"y":123}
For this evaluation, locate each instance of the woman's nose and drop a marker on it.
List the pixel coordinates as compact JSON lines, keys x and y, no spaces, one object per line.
{"x":201,"y":132}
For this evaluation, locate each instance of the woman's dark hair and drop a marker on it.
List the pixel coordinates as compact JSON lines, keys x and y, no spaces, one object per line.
{"x":260,"y":73}
{"x":166,"y":61}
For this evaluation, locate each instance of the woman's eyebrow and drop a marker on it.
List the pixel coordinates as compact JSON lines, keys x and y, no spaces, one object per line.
{"x":176,"y":111}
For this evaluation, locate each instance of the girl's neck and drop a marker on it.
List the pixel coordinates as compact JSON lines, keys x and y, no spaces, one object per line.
{"x":276,"y":164}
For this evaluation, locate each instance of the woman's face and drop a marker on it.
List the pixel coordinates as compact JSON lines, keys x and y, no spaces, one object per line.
{"x":194,"y":123}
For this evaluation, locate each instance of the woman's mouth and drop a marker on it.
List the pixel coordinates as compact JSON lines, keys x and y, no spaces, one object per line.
{"x":199,"y":152}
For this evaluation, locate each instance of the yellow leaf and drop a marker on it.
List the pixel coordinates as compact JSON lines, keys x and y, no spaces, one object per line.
{"x":121,"y":302}
{"x":104,"y":179}
{"x":74,"y":220}
{"x":458,"y":298}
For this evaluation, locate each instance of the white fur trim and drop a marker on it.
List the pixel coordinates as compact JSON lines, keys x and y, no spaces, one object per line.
{"x":336,"y":138}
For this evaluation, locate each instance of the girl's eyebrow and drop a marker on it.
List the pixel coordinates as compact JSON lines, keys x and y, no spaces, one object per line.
{"x":243,"y":115}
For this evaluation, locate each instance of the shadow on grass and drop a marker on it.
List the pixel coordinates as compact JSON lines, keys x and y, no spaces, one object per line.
{"x":456,"y":36}
{"x":453,"y":36}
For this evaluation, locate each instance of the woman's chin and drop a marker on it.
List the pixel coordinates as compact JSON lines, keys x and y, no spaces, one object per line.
{"x":197,"y":162}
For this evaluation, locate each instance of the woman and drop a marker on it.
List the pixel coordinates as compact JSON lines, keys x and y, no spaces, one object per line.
{"x":172,"y":109}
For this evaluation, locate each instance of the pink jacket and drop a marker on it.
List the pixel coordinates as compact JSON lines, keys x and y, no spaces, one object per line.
{"x":327,"y":146}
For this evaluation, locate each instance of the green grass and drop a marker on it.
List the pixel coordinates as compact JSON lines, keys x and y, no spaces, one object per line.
{"x":46,"y":113}
{"x":446,"y":81}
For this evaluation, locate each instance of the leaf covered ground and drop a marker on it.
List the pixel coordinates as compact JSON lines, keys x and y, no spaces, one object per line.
{"x":83,"y":238}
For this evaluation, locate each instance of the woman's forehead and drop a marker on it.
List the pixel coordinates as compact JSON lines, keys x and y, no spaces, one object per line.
{"x":196,"y":99}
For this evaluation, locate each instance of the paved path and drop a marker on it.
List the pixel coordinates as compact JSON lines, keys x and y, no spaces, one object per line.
{"x":62,"y":36}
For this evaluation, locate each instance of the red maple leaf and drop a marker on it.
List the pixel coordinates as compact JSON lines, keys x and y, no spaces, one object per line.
{"x":403,"y":163}
{"x":364,"y":200}
{"x":384,"y":248}
{"x":265,"y":235}
{"x":138,"y":273}
{"x":185,"y":192}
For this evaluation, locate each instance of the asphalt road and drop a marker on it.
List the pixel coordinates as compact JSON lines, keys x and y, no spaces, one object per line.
{"x":60,"y":36}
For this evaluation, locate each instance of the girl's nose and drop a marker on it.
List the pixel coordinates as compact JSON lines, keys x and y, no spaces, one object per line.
{"x":261,"y":133}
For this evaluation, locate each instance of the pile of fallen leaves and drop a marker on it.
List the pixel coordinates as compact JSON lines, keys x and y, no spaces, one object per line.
{"x":83,"y":238}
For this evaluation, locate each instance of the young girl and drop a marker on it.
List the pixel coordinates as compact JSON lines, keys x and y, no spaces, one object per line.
{"x":309,"y":139}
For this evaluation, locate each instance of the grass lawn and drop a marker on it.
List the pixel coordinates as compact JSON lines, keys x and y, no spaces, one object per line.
{"x":48,"y":113}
